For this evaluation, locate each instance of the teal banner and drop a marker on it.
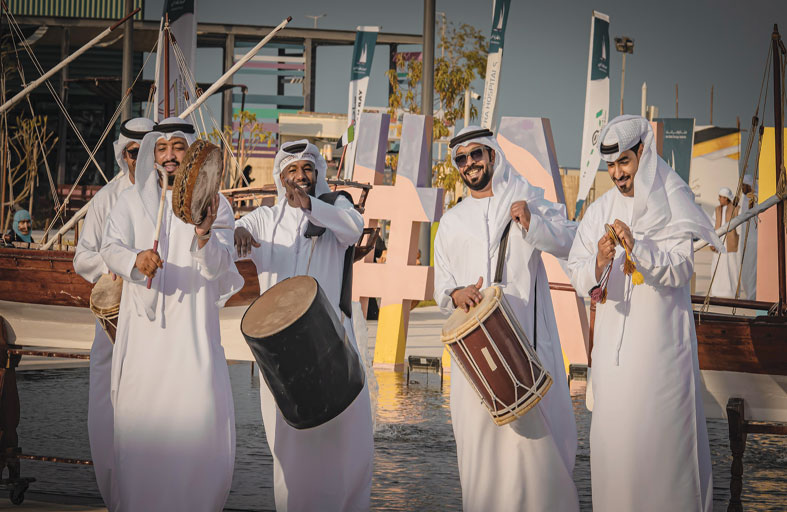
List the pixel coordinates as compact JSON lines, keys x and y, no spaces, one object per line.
{"x":600,"y":64}
{"x":678,"y":144}
{"x":499,"y":25}
{"x":363,"y":53}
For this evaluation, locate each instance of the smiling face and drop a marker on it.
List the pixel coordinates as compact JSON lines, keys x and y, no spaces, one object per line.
{"x":476,"y":164}
{"x":623,"y":170}
{"x":724,"y":200}
{"x":169,"y":154}
{"x":303,"y":174}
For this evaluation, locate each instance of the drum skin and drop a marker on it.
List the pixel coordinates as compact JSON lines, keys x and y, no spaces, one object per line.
{"x":197,"y":181}
{"x":105,"y":303}
{"x":309,"y":365}
{"x":477,"y":356}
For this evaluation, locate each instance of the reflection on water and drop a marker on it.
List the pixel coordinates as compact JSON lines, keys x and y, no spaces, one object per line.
{"x":415,"y":458}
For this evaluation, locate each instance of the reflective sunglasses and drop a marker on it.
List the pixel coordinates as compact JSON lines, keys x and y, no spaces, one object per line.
{"x":132,"y":153}
{"x":476,"y":154}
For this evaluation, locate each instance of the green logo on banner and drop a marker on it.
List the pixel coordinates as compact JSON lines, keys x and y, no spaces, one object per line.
{"x":363,"y":53}
{"x":499,"y":21}
{"x":600,"y":66}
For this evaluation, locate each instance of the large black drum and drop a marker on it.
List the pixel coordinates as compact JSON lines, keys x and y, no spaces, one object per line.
{"x":303,"y":351}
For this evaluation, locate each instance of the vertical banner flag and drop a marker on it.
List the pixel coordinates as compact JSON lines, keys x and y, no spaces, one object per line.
{"x":363,"y":53}
{"x":596,"y":103}
{"x":183,"y":25}
{"x":494,"y":62}
{"x":678,"y":144}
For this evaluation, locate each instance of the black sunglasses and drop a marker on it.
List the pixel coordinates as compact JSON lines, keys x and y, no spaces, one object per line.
{"x":132,"y":153}
{"x":475,"y":154}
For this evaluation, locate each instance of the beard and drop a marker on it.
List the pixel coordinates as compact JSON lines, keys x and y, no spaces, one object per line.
{"x":170,"y":179}
{"x":482,"y":182}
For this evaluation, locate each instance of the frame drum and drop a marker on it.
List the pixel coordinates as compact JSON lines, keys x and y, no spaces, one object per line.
{"x":493,"y":352}
{"x":309,"y":364}
{"x":197,"y":180}
{"x":105,"y":303}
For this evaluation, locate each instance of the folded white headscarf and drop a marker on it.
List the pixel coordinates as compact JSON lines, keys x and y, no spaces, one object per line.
{"x":147,"y":178}
{"x":664,"y":205}
{"x":508,"y":186}
{"x":131,"y":130}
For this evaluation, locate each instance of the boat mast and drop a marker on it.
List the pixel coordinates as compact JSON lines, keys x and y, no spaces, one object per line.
{"x":166,"y":65}
{"x":778,"y":121}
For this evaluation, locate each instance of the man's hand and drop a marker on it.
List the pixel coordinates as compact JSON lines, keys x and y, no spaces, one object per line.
{"x":148,"y":262}
{"x":521,"y":214}
{"x":606,"y":253}
{"x":296,"y":196}
{"x":244,"y":241}
{"x":207,"y":222}
{"x":624,"y":233}
{"x":468,"y":296}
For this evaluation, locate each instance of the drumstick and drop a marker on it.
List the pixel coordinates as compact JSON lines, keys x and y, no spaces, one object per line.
{"x":160,"y":210}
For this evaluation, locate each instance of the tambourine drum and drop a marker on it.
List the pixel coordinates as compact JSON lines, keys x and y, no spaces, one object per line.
{"x":197,"y":180}
{"x":105,"y":303}
{"x":491,"y":349}
{"x":306,"y":359}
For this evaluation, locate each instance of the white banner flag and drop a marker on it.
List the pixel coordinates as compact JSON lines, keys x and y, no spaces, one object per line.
{"x":363,"y":53}
{"x":494,"y":62}
{"x":596,"y":103}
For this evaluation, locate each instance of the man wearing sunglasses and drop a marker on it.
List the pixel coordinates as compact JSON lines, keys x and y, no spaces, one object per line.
{"x":328,"y":467}
{"x":527,"y":464}
{"x":88,"y":264}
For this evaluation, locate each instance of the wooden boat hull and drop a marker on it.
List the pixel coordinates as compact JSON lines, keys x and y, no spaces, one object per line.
{"x":743,"y":357}
{"x":45,"y":302}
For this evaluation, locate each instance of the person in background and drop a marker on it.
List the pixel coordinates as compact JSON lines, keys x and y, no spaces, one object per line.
{"x":21,"y":227}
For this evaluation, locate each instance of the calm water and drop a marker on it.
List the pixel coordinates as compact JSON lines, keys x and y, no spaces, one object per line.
{"x":415,"y":459}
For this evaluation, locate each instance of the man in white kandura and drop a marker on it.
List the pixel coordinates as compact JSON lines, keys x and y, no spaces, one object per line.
{"x":88,"y":264}
{"x":174,"y":416}
{"x":527,"y":464}
{"x":726,"y":266}
{"x":747,"y":247}
{"x":328,"y":467}
{"x":648,"y":442}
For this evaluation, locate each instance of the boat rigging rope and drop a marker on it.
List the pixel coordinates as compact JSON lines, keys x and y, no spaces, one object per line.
{"x":762,"y":100}
{"x":191,"y":82}
{"x":110,"y":126}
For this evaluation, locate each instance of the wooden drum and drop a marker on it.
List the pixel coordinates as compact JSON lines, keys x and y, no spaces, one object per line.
{"x":491,"y":349}
{"x":105,"y":303}
{"x":301,"y":347}
{"x":197,"y":180}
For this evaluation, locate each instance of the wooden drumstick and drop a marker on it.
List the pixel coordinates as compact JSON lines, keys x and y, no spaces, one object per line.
{"x":160,"y":210}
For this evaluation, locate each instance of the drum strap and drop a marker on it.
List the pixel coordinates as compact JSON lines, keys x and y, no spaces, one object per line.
{"x":501,"y":261}
{"x":501,"y":254}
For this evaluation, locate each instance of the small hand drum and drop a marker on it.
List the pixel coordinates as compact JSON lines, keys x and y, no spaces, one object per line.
{"x":105,"y":303}
{"x":197,"y":180}
{"x":491,"y":349}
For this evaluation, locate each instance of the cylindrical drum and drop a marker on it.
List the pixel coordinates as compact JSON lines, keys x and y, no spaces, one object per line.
{"x":303,"y":351}
{"x":105,"y":303}
{"x":491,"y":349}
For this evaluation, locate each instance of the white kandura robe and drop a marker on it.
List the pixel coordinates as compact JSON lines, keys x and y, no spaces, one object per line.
{"x":725,"y":282}
{"x":174,"y":414}
{"x":648,"y":440}
{"x":527,"y":464}
{"x":88,"y":264}
{"x":748,"y":260}
{"x":329,"y":467}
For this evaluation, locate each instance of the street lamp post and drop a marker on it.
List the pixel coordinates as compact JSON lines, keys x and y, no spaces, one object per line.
{"x":315,"y":18}
{"x":624,"y":45}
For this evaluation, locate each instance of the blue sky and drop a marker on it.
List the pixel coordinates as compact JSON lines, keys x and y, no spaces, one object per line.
{"x":694,"y":43}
